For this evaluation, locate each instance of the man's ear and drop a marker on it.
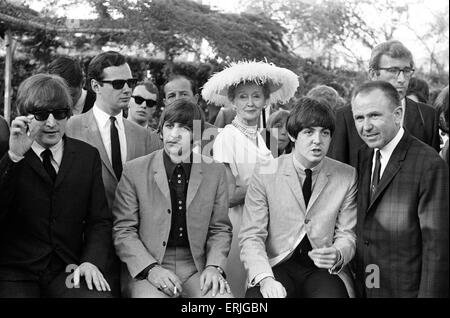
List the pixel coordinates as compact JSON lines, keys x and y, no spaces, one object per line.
{"x":398,"y":113}
{"x":95,"y":86}
{"x":373,"y":74}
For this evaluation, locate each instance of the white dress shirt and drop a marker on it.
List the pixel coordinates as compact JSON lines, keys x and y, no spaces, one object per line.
{"x":386,"y":152}
{"x":104,"y":125}
{"x":57,"y":153}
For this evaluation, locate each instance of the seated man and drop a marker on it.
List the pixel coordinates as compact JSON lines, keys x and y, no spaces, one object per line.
{"x":171,"y":225}
{"x":52,"y":201}
{"x":297,"y":229}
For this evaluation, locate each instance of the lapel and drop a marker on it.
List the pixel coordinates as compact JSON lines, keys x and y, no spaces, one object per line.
{"x":393,"y":166}
{"x":292,"y":180}
{"x":66,"y":162}
{"x":160,"y":174}
{"x":412,"y":120}
{"x":94,"y":138}
{"x":321,"y":182}
{"x":365,"y":173}
{"x":131,"y":142}
{"x":195,"y":179}
{"x":36,"y":164}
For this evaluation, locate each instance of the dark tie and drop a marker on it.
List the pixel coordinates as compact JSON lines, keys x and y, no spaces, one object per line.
{"x":47,"y":162}
{"x":376,"y":174}
{"x":307,"y":186}
{"x":115,"y":149}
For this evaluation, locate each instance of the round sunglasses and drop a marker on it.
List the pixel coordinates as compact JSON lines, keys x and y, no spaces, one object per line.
{"x":148,"y":102}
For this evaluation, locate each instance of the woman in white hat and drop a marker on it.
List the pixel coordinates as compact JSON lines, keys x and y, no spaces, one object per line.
{"x":249,"y":87}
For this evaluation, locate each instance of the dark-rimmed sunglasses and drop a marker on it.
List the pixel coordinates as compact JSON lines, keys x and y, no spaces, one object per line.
{"x":119,"y":84}
{"x":58,"y":114}
{"x":148,"y":102}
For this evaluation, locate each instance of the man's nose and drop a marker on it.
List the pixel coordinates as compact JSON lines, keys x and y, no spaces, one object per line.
{"x":51,"y":121}
{"x":367,"y":125}
{"x":317,"y":138}
{"x":401,"y":77}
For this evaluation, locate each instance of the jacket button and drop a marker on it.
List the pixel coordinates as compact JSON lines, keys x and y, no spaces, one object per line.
{"x":168,"y":211}
{"x":366,"y":242}
{"x":164,"y":243}
{"x":307,"y":221}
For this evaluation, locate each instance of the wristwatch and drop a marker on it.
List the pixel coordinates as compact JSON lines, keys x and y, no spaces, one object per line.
{"x":219,"y":269}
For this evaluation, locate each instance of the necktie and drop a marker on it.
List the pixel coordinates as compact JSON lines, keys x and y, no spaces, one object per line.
{"x":376,"y":173}
{"x":115,"y":149}
{"x":47,"y":162}
{"x":307,"y":186}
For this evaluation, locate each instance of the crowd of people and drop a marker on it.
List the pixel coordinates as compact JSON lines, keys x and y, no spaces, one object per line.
{"x":337,"y":196}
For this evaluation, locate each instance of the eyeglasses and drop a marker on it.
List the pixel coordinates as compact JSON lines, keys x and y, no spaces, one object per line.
{"x":119,"y":84}
{"x":395,"y":71}
{"x":58,"y":114}
{"x":139,"y":100}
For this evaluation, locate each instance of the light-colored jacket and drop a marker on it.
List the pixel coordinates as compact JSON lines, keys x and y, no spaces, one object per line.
{"x":274,"y":213}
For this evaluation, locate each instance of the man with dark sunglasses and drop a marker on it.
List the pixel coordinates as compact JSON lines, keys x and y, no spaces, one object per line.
{"x":117,"y":139}
{"x":52,"y":202}
{"x":143,"y":104}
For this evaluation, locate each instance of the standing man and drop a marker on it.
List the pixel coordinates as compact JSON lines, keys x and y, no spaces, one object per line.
{"x":171,"y":224}
{"x":392,"y":62}
{"x":143,"y":104}
{"x":182,"y":87}
{"x":70,"y":70}
{"x":402,"y":224}
{"x":52,"y":202}
{"x":297,"y":233}
{"x":117,"y":139}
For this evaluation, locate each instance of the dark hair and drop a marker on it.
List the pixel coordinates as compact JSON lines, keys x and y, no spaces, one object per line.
{"x":102,"y":61}
{"x":419,"y":88}
{"x":44,"y":91}
{"x":232,"y":89}
{"x":179,"y":76}
{"x":389,"y":91}
{"x":308,"y":113}
{"x":183,"y":112}
{"x":441,"y":105}
{"x":394,"y":49}
{"x":68,"y":68}
{"x":279,"y":116}
{"x":340,"y":89}
{"x":326,"y":95}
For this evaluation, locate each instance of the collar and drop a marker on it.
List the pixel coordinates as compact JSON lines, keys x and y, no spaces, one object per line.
{"x":388,"y":149}
{"x":103,"y":118}
{"x":55,"y":149}
{"x":170,"y":166}
{"x":301,"y":169}
{"x":78,"y":107}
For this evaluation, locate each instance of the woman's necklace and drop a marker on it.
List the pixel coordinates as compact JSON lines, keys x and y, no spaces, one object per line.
{"x":250,"y":132}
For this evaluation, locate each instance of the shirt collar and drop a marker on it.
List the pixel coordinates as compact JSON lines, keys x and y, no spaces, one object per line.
{"x":300,"y":168}
{"x":38,"y":149}
{"x":103,"y":118}
{"x":170,"y":166}
{"x":388,"y":149}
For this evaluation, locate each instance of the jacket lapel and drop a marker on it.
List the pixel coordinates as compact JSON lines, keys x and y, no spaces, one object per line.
{"x":131,"y":144}
{"x":160,"y":175}
{"x":288,"y":170}
{"x":365,"y":172}
{"x":195,"y":180}
{"x":321,"y":182}
{"x":66,"y":162}
{"x":95,"y":138}
{"x":36,"y":164}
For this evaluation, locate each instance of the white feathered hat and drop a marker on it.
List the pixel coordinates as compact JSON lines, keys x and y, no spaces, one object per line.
{"x":282,"y":82}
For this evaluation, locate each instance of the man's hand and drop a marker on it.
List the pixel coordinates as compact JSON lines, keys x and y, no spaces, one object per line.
{"x":324,"y":257}
{"x":22,"y":134}
{"x":271,"y":288}
{"x":212,"y":279}
{"x":165,"y":281}
{"x":92,"y":275}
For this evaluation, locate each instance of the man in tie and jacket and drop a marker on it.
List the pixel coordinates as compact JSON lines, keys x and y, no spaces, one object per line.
{"x":297,"y":233}
{"x":402,"y":223}
{"x":52,"y":201}
{"x":117,"y":139}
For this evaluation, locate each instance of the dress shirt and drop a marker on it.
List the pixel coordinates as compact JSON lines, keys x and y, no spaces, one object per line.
{"x":387,"y":151}
{"x":103,"y":123}
{"x":57,"y":153}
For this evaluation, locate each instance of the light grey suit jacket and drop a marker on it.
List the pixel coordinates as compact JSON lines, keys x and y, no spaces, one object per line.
{"x":140,"y":142}
{"x":142,"y":213}
{"x":274,"y":213}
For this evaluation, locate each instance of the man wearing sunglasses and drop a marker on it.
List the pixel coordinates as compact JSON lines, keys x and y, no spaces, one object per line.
{"x":52,"y":202}
{"x":391,"y":62}
{"x":117,"y":139}
{"x":143,"y":105}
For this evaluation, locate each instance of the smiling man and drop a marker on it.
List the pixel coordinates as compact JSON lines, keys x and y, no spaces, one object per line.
{"x":402,"y":227}
{"x":171,"y":224}
{"x":297,"y":229}
{"x":391,"y":62}
{"x":52,"y":201}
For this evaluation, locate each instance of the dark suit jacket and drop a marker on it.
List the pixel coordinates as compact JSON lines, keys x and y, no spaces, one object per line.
{"x":404,"y":229}
{"x":421,"y":121}
{"x":4,"y":136}
{"x":69,"y":218}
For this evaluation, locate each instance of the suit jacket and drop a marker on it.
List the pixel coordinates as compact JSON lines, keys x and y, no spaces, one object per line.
{"x":140,"y":141}
{"x":4,"y":136}
{"x":275,"y":209}
{"x":404,"y":229}
{"x":142,"y":213}
{"x":421,"y":120}
{"x":69,"y":218}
